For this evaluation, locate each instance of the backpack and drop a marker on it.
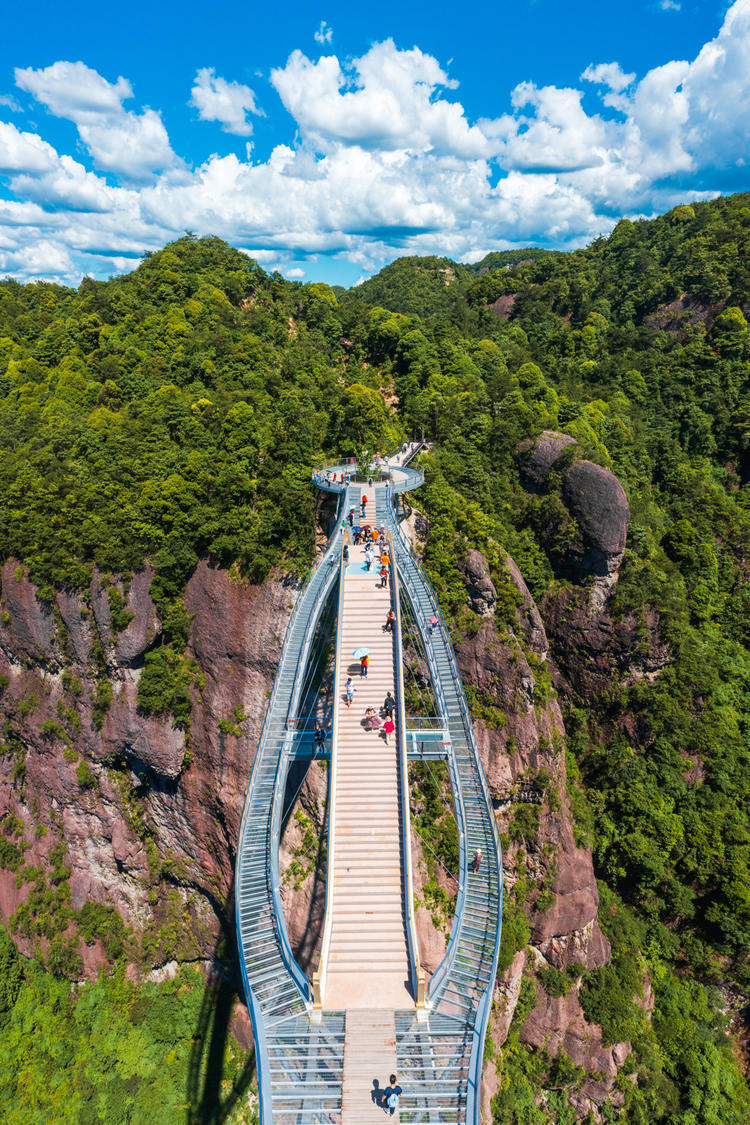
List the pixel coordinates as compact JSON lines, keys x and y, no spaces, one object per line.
{"x":392,"y":1101}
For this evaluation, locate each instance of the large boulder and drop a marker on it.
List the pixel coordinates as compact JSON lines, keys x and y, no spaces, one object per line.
{"x":537,"y":456}
{"x":479,"y":585}
{"x":597,"y":500}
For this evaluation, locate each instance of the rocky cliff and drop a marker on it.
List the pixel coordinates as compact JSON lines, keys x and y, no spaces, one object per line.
{"x":112,"y":806}
{"x":521,"y":738}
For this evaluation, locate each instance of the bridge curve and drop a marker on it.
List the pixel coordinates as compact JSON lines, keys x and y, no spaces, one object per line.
{"x":303,"y":1047}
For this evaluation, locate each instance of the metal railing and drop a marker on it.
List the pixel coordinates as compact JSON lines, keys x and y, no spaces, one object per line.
{"x":319,"y":977}
{"x":276,"y":988}
{"x":417,"y":973}
{"x":462,"y":986}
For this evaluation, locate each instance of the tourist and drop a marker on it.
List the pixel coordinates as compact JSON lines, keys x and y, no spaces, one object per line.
{"x":348,"y":692}
{"x":391,"y":1094}
{"x":389,"y":705}
{"x":320,"y":740}
{"x":368,"y":558}
{"x":476,"y":860}
{"x":371,"y":720}
{"x":388,"y":728}
{"x":383,"y":577}
{"x":363,"y":666}
{"x":388,"y":627}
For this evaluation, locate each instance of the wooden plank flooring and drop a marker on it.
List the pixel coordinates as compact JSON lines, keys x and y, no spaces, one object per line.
{"x":368,"y":962}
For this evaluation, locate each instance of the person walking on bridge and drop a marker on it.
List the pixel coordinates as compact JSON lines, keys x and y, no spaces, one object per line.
{"x":388,"y":627}
{"x":363,"y":666}
{"x":363,"y":506}
{"x":389,"y":705}
{"x":391,"y":1095}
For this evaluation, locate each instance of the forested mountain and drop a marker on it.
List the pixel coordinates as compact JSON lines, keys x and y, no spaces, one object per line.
{"x":173,"y":415}
{"x":429,"y":286}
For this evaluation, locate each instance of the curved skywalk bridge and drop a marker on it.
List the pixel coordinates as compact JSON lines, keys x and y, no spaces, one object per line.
{"x":317,"y":1042}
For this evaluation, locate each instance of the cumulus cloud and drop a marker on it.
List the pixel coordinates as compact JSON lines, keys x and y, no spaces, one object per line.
{"x":387,"y":99}
{"x":24,"y":152}
{"x":226,"y":102}
{"x":74,"y":90}
{"x":130,"y":144}
{"x":381,"y":158}
{"x":324,"y":34}
{"x":66,"y":184}
{"x":555,"y":136}
{"x":609,"y":74}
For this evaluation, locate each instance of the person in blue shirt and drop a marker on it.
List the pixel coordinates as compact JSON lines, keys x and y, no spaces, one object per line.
{"x":391,"y":1094}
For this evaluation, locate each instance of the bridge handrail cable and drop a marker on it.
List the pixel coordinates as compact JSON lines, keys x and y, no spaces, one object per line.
{"x":417,"y":973}
{"x":319,"y":977}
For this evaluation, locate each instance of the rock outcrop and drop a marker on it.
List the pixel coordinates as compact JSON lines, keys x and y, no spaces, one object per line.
{"x":147,"y":817}
{"x":520,"y":733}
{"x":593,"y":650}
{"x":536,"y":458}
{"x":479,"y":585}
{"x":597,"y":500}
{"x":596,"y":525}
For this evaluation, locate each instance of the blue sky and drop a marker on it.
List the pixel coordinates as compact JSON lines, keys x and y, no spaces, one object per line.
{"x":327,"y":140}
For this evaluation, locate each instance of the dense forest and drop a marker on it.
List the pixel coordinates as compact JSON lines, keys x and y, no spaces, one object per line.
{"x":175,"y":413}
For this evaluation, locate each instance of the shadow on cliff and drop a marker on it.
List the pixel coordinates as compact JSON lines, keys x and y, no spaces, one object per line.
{"x":207,"y":1103}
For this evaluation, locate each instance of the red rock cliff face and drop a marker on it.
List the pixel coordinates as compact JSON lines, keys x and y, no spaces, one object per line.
{"x":150,"y":826}
{"x":520,"y":733}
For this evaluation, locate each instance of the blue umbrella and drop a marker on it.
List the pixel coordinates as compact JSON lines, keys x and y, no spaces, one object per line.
{"x":360,"y":652}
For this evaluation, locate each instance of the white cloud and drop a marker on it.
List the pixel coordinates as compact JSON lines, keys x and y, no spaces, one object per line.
{"x":670,"y":6}
{"x":24,"y":152}
{"x":66,"y":184}
{"x":133,"y":145}
{"x":130,"y":144}
{"x":557,"y":136}
{"x":380,"y":159}
{"x":610,"y":75}
{"x":324,"y":34}
{"x":387,"y":99}
{"x":227,"y":102}
{"x":74,"y":90}
{"x":10,"y":103}
{"x":295,"y":273}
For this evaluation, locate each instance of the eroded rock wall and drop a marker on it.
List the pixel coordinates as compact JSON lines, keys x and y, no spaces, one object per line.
{"x":147,"y":815}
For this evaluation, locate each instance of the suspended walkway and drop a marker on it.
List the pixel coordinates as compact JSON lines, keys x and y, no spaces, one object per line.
{"x":368,"y":1010}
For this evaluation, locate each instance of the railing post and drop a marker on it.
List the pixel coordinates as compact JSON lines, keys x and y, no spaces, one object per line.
{"x":421,"y":990}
